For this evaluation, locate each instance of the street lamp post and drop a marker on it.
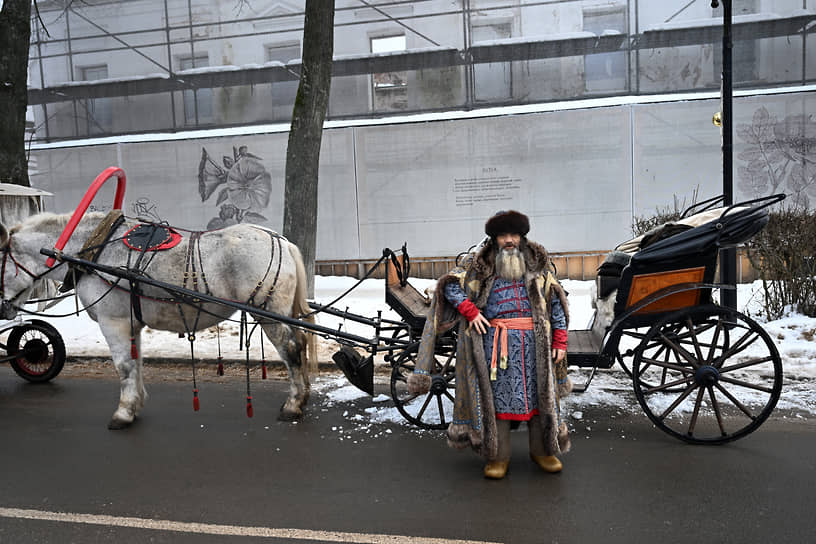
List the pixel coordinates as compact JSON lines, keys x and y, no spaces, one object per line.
{"x":728,"y":257}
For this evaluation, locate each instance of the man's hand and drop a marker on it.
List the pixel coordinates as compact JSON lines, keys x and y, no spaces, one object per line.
{"x":558,"y":355}
{"x":480,"y":323}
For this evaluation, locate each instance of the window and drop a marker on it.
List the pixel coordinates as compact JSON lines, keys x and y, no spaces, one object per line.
{"x":493,"y":81}
{"x":743,"y":52}
{"x":98,"y":111}
{"x":283,"y":92}
{"x":605,"y":71}
{"x":389,"y":89}
{"x":282,"y":52}
{"x":198,"y":103}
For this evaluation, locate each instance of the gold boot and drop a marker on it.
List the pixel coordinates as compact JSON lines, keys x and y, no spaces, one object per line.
{"x":495,"y":470}
{"x":548,"y":463}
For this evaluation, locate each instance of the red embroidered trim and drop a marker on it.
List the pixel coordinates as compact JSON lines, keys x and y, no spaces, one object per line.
{"x":559,"y":339}
{"x":517,"y":417}
{"x":468,"y":309}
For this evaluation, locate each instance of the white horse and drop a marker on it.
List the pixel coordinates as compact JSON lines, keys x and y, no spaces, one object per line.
{"x":242,"y":263}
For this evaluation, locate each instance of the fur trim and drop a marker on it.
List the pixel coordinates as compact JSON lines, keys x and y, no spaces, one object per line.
{"x":564,"y":389}
{"x":419,"y":384}
{"x":505,"y":222}
{"x":564,"y":442}
{"x":461,"y":436}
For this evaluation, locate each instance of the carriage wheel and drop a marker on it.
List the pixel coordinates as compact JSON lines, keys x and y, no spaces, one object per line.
{"x":38,"y":351}
{"x":632,"y":339}
{"x":402,"y":334}
{"x":426,"y":410}
{"x":719,"y":372}
{"x":629,"y":340}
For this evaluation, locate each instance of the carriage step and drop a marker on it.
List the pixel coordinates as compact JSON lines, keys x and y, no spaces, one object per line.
{"x":358,"y":371}
{"x":580,"y":388}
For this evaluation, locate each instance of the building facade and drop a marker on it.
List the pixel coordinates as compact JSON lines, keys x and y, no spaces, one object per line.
{"x":582,"y":113}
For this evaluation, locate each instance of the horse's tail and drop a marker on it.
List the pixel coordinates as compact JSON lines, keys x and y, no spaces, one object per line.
{"x":301,"y":306}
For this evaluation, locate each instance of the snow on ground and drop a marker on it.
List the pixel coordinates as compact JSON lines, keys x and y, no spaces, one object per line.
{"x":794,"y":336}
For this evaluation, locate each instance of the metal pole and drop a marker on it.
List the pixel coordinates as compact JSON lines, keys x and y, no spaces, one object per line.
{"x":728,"y":257}
{"x":169,"y":62}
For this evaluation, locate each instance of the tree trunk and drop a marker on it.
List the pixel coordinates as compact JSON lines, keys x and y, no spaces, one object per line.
{"x":303,"y":149}
{"x":15,"y":34}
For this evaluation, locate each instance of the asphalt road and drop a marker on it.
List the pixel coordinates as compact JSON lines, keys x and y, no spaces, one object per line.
{"x":217,"y":476}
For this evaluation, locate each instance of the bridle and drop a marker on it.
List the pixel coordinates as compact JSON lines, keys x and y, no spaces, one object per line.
{"x":9,"y":304}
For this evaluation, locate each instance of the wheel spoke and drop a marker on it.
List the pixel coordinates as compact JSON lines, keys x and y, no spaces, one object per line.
{"x":680,"y":350}
{"x":661,"y":364}
{"x":677,"y":401}
{"x":716,"y":406}
{"x":735,"y":402}
{"x":669,"y":385}
{"x":694,"y":415}
{"x":447,"y":365}
{"x":441,"y":409}
{"x":424,"y":406}
{"x":740,"y":345}
{"x":746,"y":364}
{"x":694,"y":340}
{"x":450,"y":397}
{"x":407,"y":399}
{"x":713,"y":347}
{"x":745,"y":384}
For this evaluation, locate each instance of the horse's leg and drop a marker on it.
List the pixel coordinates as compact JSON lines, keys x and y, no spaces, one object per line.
{"x":140,"y":388}
{"x":291,"y":346}
{"x":131,"y":386}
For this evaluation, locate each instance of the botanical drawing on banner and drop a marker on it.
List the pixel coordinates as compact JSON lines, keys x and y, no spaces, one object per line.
{"x":242,"y":183}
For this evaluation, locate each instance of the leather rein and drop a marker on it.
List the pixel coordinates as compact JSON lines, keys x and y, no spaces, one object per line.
{"x":8,"y":304}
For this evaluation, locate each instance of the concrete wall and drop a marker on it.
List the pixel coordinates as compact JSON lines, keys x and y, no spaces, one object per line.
{"x":581,"y":175}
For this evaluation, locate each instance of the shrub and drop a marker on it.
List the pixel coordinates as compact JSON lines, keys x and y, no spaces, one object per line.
{"x":645,"y":223}
{"x":784,"y":253}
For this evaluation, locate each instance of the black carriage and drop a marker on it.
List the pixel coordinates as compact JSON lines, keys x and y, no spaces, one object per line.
{"x":33,"y":348}
{"x":702,"y":372}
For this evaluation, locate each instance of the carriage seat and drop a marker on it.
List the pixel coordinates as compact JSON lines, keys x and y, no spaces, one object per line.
{"x":611,"y":269}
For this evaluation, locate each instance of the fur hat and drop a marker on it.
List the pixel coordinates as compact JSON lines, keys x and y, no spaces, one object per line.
{"x":505,"y":222}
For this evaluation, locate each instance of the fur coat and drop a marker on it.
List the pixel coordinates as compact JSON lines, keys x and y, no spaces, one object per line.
{"x":474,"y":417}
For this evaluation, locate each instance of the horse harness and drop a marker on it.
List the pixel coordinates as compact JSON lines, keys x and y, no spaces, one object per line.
{"x":7,"y":305}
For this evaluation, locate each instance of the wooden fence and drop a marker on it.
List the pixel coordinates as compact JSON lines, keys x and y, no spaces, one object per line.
{"x":574,"y":266}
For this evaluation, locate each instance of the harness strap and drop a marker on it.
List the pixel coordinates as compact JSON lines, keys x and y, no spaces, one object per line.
{"x":273,"y":236}
{"x":93,"y":247}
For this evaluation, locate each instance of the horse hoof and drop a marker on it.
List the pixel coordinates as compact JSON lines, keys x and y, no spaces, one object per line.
{"x":116,"y":425}
{"x":289,"y":416}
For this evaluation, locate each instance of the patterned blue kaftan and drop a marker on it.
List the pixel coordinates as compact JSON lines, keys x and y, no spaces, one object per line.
{"x":514,"y":390}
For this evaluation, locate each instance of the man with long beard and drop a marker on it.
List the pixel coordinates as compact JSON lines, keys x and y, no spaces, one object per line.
{"x":512,"y":340}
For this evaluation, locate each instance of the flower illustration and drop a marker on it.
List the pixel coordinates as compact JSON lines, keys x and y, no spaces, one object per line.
{"x":245,"y":187}
{"x":248,"y":185}
{"x":778,"y":154}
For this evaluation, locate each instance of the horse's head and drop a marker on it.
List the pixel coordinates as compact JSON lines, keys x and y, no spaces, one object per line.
{"x":18,"y":275}
{"x":4,"y":236}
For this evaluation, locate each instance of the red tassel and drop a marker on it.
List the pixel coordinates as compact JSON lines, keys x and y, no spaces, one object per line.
{"x":195,"y":400}
{"x":250,"y":412}
{"x":134,"y":353}
{"x":220,"y":367}
{"x":263,"y":371}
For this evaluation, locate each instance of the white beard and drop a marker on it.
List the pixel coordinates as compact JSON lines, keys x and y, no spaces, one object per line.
{"x":510,"y":264}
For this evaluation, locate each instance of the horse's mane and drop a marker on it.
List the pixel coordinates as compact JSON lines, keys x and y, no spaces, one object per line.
{"x":49,"y":220}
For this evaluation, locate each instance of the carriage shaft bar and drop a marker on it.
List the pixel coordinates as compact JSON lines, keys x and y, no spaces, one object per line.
{"x":353,"y":317}
{"x":190,"y":297}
